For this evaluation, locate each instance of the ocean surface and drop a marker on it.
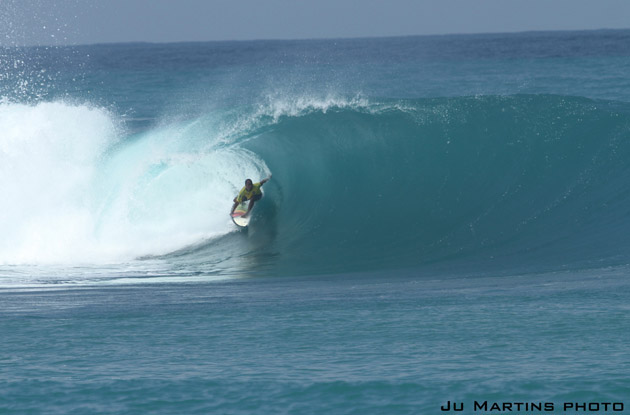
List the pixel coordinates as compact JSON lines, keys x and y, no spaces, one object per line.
{"x":448,"y":221}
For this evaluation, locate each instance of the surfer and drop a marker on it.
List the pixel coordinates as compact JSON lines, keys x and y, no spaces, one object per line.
{"x":250,"y":192}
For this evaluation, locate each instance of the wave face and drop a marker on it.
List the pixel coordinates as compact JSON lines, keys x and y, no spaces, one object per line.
{"x":509,"y":182}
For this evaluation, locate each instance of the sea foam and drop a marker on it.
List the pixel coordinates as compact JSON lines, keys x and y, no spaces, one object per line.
{"x":77,"y":189}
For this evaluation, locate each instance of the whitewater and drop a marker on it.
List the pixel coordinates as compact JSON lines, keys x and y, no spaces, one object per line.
{"x":448,"y":220}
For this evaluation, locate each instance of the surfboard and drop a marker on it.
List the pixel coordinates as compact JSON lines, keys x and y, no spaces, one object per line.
{"x":237,"y":216}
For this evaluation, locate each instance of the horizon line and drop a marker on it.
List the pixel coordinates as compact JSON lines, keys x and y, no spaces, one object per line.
{"x":306,"y":39}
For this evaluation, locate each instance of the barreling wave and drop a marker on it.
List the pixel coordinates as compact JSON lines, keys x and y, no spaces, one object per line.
{"x":524,"y":182}
{"x":512,"y":183}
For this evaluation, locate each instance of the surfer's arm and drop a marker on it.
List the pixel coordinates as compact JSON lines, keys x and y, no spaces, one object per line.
{"x":263,"y":181}
{"x":238,"y":199}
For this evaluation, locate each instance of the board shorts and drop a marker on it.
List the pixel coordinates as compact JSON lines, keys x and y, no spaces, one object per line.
{"x":255,"y":198}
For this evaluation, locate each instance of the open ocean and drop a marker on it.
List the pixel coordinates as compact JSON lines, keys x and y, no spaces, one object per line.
{"x":448,"y":221}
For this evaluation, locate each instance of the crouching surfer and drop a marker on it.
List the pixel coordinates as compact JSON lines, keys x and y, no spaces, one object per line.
{"x":250,"y":192}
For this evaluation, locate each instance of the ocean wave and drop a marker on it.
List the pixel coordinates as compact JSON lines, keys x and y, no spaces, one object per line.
{"x":510,"y":182}
{"x":507,"y":181}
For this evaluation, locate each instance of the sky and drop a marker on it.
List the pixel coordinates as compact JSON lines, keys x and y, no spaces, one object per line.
{"x":60,"y":22}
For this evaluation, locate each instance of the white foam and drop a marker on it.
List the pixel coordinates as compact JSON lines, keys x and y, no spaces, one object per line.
{"x":75,"y":192}
{"x":277,"y":106}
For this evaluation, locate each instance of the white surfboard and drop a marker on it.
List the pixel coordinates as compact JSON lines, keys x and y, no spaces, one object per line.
{"x":237,"y":216}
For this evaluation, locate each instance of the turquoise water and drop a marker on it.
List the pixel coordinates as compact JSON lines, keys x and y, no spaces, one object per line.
{"x":447,"y":221}
{"x":402,"y":344}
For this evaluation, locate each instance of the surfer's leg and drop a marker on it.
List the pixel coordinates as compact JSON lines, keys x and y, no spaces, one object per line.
{"x":252,"y":201}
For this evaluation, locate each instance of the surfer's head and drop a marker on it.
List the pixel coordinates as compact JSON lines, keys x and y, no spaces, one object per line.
{"x":249,"y":184}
